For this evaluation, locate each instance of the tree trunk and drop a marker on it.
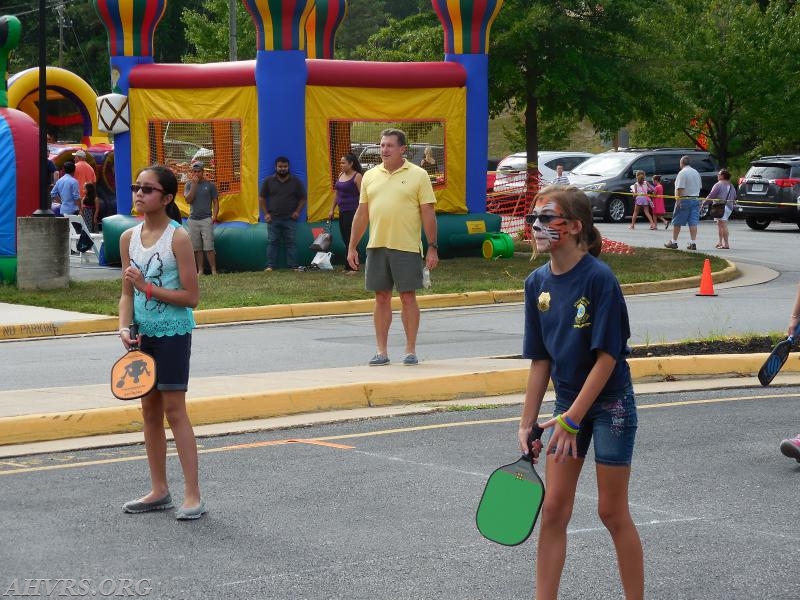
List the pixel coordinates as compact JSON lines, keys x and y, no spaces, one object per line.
{"x":532,"y":145}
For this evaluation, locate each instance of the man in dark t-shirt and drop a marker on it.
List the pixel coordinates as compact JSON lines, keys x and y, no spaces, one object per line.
{"x":281,"y":198}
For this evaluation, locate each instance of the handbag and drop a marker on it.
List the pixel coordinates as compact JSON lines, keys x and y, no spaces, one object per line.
{"x":717,"y":208}
{"x":322,"y":243}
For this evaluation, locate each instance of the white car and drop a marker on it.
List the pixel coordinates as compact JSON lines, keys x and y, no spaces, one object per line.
{"x":512,"y":170}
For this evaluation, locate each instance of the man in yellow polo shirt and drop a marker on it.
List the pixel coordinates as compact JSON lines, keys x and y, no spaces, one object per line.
{"x":397,"y":202}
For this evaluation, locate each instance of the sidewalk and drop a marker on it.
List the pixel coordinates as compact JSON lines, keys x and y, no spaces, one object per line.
{"x":243,"y":402}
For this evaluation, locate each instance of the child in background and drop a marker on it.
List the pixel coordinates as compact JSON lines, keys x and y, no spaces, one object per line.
{"x":159,"y":290}
{"x":90,"y":207}
{"x":576,"y":333}
{"x":641,"y":199}
{"x":658,"y":202}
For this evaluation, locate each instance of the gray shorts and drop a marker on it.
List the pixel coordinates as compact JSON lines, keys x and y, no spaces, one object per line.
{"x":388,"y":268}
{"x":201,"y":232}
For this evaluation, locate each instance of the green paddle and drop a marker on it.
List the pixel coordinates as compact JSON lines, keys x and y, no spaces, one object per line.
{"x":511,"y":500}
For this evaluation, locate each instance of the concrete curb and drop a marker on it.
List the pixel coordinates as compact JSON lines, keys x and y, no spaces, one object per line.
{"x":241,"y":407}
{"x":217,"y":316}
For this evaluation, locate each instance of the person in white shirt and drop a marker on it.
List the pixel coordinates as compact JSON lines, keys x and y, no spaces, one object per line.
{"x":560,"y":178}
{"x":687,"y":204}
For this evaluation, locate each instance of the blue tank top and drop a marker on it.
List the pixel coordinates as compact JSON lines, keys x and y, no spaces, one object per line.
{"x":347,"y":194}
{"x":154,"y":317}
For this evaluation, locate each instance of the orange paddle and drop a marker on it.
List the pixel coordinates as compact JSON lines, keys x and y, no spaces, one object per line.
{"x":134,"y":374}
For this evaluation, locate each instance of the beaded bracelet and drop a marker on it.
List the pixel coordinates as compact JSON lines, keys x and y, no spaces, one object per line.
{"x":560,"y":420}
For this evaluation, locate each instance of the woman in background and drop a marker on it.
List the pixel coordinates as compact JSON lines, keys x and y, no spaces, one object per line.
{"x":348,"y":191}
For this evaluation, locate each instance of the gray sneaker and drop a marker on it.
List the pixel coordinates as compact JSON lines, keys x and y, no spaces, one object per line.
{"x":671,"y":245}
{"x":137,"y":506}
{"x":692,"y":246}
{"x":379,"y":360}
{"x":410,"y":360}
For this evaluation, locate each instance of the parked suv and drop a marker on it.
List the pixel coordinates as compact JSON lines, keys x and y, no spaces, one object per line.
{"x":607,"y":178}
{"x":770,"y":191}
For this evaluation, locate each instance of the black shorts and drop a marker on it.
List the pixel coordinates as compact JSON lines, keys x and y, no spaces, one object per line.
{"x":172,"y":354}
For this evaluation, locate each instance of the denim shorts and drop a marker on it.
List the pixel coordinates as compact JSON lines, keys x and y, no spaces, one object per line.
{"x":612,"y":422}
{"x":172,"y":354}
{"x":688,"y":213}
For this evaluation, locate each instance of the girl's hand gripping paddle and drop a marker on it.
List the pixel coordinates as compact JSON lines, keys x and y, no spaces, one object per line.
{"x":777,"y":358}
{"x":511,"y":500}
{"x":133,"y":375}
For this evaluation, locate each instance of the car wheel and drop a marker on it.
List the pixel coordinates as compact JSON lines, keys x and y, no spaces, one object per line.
{"x":615,"y":210}
{"x":756,"y":223}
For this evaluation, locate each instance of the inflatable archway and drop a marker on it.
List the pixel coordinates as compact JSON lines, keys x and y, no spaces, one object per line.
{"x":23,"y":94}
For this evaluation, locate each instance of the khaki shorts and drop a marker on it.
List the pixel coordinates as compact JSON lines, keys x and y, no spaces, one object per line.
{"x":388,"y":268}
{"x":201,"y":232}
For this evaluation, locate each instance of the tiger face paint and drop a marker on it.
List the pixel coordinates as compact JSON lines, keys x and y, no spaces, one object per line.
{"x":550,"y":228}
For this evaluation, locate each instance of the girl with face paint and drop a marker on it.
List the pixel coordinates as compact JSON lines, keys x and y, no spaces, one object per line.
{"x":576,"y":333}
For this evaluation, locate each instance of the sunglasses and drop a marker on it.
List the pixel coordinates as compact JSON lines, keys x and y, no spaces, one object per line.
{"x":531,"y":218}
{"x":146,"y":189}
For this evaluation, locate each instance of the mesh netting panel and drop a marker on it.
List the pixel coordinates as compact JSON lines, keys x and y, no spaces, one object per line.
{"x":511,"y":196}
{"x":217,"y":144}
{"x":362,"y":138}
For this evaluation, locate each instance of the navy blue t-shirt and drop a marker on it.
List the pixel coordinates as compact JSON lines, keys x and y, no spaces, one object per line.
{"x":569,"y":317}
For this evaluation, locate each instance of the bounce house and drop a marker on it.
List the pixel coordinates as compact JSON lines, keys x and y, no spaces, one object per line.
{"x":294,"y":100}
{"x":71,"y":106}
{"x":19,"y":160}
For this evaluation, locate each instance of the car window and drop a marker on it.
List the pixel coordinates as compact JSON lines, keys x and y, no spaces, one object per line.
{"x":767,"y":172}
{"x":646,"y":164}
{"x":796,"y":171}
{"x":603,"y":165}
{"x":704,"y":164}
{"x":513,"y":163}
{"x":570,"y":162}
{"x":668,"y":164}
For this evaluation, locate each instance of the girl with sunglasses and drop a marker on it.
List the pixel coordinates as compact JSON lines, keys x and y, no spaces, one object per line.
{"x":576,"y":333}
{"x":159,"y":291}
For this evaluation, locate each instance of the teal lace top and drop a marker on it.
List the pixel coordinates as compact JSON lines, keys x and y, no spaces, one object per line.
{"x":154,"y":317}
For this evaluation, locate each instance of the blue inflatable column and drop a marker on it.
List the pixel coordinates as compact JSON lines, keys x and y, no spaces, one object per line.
{"x":120,"y":68}
{"x":466,"y":26}
{"x":477,"y":68}
{"x":281,"y":77}
{"x":131,"y":27}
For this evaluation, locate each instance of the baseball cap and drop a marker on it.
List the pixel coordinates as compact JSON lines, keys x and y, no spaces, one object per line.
{"x":198,"y":166}
{"x":80,"y":153}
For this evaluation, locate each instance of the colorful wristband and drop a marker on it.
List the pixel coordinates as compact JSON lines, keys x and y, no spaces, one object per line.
{"x":560,"y":420}
{"x":148,"y":291}
{"x":570,"y":422}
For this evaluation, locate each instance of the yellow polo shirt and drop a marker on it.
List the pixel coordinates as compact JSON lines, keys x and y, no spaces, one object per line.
{"x":394,"y":202}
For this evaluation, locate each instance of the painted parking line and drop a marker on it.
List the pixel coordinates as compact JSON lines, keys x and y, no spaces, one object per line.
{"x":21,"y":465}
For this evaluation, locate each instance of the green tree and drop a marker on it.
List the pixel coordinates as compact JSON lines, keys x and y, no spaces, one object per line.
{"x":569,"y":60}
{"x":731,"y":85}
{"x":208,"y":32}
{"x":363,"y":19}
{"x":416,"y":38}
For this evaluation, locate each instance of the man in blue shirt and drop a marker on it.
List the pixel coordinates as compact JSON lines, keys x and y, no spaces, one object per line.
{"x":65,"y":191}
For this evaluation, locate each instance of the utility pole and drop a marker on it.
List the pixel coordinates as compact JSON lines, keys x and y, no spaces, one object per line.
{"x":232,"y":22}
{"x":62,"y":22}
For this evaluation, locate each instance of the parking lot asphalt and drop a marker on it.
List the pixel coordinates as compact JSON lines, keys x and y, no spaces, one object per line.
{"x":84,"y":416}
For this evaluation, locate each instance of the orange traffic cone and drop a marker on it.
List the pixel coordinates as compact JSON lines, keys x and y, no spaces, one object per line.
{"x":706,"y":283}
